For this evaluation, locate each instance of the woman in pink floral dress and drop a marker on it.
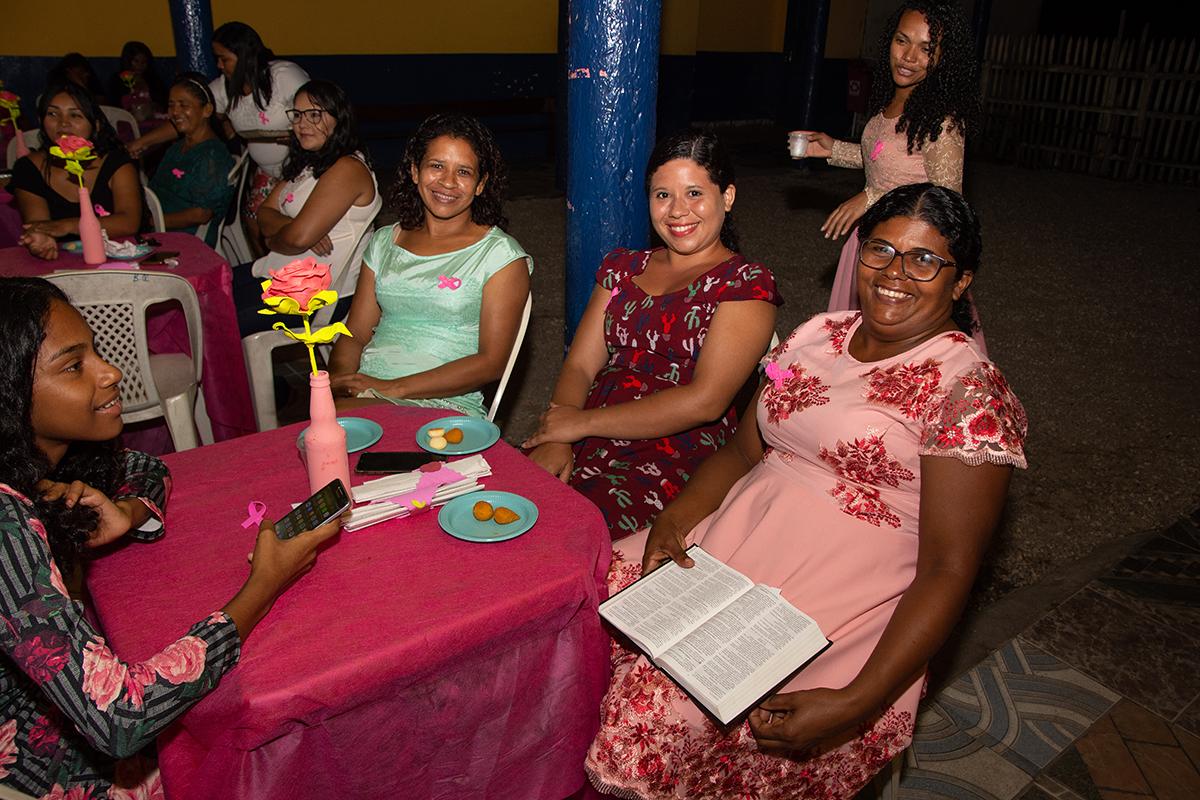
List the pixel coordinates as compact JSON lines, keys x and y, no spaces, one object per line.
{"x":68,"y":705}
{"x":668,"y":338}
{"x":887,"y":443}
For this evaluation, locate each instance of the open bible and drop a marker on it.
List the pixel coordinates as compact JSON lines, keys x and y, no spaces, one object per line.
{"x":726,"y":641}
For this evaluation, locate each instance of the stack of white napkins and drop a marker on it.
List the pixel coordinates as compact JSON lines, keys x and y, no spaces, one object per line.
{"x":125,"y":249}
{"x":376,"y":494}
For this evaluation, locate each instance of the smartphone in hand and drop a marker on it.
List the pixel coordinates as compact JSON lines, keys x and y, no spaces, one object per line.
{"x":327,"y":504}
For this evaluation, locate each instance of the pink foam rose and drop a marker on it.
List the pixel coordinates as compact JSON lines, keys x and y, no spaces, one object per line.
{"x":103,"y":674}
{"x":69,"y":144}
{"x":42,"y":655}
{"x":44,"y":736}
{"x":8,"y":746}
{"x":8,"y":97}
{"x":181,"y":661}
{"x":299,"y":280}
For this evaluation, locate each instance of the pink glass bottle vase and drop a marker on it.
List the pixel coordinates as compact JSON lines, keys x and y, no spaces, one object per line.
{"x":22,"y":148}
{"x":89,"y":230}
{"x":325,"y":440}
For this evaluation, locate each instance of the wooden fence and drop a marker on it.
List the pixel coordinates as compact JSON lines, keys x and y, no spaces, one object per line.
{"x":1120,"y":108}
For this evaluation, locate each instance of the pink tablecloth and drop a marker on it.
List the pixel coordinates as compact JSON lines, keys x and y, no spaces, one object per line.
{"x":223,"y":378}
{"x":407,"y":664}
{"x":10,"y":220}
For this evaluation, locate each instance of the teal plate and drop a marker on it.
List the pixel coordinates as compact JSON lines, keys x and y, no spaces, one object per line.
{"x":457,"y":517}
{"x":360,"y":433}
{"x":478,"y":434}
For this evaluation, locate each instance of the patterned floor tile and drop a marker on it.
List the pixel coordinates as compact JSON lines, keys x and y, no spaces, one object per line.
{"x":1161,"y":580}
{"x":1121,"y":648}
{"x":981,"y":775}
{"x":1026,"y":703}
{"x":1129,"y":753}
{"x":1189,"y":718}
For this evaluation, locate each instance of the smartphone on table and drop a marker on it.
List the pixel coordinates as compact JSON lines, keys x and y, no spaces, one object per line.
{"x":383,"y":463}
{"x":327,"y":504}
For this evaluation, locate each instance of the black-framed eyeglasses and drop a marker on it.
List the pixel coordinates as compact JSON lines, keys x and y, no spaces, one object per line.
{"x":919,"y":265}
{"x":313,"y":115}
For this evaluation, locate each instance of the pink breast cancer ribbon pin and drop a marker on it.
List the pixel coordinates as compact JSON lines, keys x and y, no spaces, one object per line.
{"x":779,"y":376}
{"x":255,"y":513}
{"x":449,"y":283}
{"x":178,"y":173}
{"x":263,"y":118}
{"x":877,"y":149}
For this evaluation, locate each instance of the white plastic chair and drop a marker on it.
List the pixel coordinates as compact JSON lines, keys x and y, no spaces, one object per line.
{"x":258,"y":347}
{"x":114,"y":303}
{"x":33,"y":141}
{"x":234,"y":180}
{"x":154,"y":205}
{"x":119,"y":116}
{"x":494,"y":406}
{"x":233,"y":245}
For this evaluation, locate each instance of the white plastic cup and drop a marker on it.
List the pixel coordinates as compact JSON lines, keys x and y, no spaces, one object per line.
{"x":798,"y":143}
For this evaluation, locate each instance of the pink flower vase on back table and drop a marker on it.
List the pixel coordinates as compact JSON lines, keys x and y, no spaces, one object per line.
{"x":89,"y":230}
{"x":325,"y":440}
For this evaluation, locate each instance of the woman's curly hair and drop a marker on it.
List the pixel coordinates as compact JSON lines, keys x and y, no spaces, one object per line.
{"x":487,"y":208}
{"x":24,"y":309}
{"x":951,"y":87}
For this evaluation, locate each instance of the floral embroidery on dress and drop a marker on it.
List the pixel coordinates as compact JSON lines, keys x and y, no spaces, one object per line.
{"x":103,"y":674}
{"x":795,"y":393}
{"x":980,"y":421}
{"x":910,"y":387}
{"x":959,"y":338}
{"x":867,"y":463}
{"x":42,"y":655}
{"x":836,"y":330}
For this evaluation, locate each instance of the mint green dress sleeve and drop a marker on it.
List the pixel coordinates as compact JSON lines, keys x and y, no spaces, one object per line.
{"x":430,"y":309}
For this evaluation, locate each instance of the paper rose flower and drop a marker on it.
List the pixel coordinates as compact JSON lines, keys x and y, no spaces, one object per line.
{"x":128,"y":77}
{"x":73,"y":150}
{"x":301,"y":288}
{"x":8,"y":100}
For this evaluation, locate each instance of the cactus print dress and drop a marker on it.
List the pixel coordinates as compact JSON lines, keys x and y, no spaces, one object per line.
{"x":653,"y":344}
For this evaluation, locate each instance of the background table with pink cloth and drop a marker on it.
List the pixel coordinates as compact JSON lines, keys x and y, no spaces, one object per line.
{"x":223,"y":376}
{"x":406,"y":664}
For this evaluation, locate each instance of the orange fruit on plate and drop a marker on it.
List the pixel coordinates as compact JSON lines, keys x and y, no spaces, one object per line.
{"x":483,"y":511}
{"x":505,"y":516}
{"x":454,"y":435}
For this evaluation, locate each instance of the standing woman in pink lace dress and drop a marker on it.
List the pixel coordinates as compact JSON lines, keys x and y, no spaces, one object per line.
{"x":924,"y":100}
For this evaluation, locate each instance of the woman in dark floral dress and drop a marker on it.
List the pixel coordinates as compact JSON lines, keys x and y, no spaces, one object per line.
{"x":68,"y":704}
{"x":668,"y":338}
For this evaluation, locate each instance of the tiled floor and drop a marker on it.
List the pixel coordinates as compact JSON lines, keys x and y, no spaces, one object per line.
{"x":1097,"y":700}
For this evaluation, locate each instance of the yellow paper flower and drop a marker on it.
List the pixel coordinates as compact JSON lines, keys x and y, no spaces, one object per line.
{"x":73,"y":150}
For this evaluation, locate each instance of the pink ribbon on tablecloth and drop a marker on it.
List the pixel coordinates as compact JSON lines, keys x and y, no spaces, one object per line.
{"x":255,"y":512}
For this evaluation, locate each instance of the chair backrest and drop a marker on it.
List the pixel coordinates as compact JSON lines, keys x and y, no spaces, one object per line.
{"x":154,"y":206}
{"x":345,"y":275}
{"x":234,"y":179}
{"x":232,"y":244}
{"x":114,"y":304}
{"x":494,"y":406}
{"x":33,"y":141}
{"x":118,"y":117}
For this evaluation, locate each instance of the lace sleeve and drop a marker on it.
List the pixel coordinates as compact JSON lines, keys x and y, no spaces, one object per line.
{"x":944,"y":158}
{"x":980,"y":421}
{"x":845,"y":154}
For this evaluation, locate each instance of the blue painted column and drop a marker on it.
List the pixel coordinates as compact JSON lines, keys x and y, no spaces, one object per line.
{"x":191,"y":22}
{"x":612,"y":86}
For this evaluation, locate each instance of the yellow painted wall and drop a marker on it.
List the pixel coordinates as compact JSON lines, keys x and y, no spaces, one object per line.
{"x":317,"y":27}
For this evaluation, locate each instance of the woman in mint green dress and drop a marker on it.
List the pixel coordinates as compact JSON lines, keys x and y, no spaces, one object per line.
{"x":441,"y":293}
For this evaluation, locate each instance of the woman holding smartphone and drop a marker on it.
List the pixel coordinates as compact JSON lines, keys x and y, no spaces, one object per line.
{"x":70,"y":706}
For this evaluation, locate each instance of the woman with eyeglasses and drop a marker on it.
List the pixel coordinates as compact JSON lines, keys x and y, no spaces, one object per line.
{"x":326,"y":200}
{"x":252,"y":94}
{"x":866,"y":487}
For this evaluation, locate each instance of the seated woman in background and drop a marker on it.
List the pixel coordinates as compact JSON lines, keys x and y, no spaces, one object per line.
{"x":668,"y":338}
{"x":48,"y":196}
{"x":69,"y":706}
{"x":76,"y":69}
{"x":136,"y":86}
{"x":326,"y":201}
{"x":866,"y":487}
{"x":192,"y":180}
{"x":441,"y":292}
